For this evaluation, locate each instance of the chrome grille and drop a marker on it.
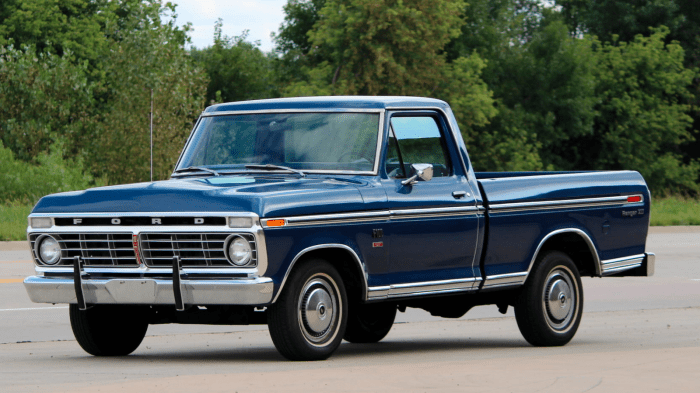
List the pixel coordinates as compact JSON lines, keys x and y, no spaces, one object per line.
{"x":96,"y":249}
{"x":194,"y":249}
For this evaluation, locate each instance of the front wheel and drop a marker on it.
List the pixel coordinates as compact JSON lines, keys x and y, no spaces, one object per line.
{"x":308,"y":320}
{"x":549,"y":309}
{"x":107,"y":330}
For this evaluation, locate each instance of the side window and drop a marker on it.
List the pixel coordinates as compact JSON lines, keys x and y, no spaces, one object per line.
{"x":415,"y":140}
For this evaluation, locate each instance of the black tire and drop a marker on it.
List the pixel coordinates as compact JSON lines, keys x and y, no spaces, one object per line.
{"x":549,"y":308}
{"x":369,"y":323}
{"x":107,"y":330}
{"x":307,"y":322}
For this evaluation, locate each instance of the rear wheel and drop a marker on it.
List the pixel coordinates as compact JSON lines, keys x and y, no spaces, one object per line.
{"x":549,"y":309}
{"x":108,"y":330}
{"x":369,"y":323}
{"x":308,"y":320}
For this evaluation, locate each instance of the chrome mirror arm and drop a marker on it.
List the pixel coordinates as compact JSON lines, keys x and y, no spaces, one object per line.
{"x":422,"y":172}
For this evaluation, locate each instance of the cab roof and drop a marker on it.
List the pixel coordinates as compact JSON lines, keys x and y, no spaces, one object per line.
{"x":332,"y":102}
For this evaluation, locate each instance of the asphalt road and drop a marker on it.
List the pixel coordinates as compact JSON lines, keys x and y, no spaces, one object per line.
{"x":637,"y":334}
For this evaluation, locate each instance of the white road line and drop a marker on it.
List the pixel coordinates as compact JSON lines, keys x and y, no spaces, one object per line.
{"x":36,"y":308}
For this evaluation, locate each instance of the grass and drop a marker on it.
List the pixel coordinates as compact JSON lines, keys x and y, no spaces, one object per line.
{"x":675,"y":210}
{"x":13,"y":221}
{"x":672,"y":210}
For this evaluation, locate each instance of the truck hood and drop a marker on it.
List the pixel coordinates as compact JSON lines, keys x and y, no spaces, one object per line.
{"x":267,"y":196}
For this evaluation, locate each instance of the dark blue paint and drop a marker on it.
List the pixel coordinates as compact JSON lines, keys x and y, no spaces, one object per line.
{"x":414,"y":250}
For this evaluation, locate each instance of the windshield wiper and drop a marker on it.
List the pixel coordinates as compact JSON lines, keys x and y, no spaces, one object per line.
{"x":270,"y":167}
{"x":198,"y":168}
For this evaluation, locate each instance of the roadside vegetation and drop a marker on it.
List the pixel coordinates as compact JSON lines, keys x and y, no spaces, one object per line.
{"x":535,"y":85}
{"x":675,"y":211}
{"x":13,"y":221}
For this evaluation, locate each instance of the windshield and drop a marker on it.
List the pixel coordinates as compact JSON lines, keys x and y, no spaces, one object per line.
{"x":305,"y":141}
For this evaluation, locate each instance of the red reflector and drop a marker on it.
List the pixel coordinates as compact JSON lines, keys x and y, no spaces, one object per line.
{"x":635,"y":198}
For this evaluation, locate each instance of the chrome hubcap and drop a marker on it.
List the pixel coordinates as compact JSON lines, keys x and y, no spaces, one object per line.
{"x":318,"y":309}
{"x":559,"y":298}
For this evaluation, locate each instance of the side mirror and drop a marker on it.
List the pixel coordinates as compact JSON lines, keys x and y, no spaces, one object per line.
{"x":422,"y":172}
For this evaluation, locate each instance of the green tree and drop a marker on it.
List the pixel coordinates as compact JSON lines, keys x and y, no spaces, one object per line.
{"x":622,"y":18}
{"x":542,"y":83}
{"x":626,"y":19}
{"x":237,"y":69}
{"x":549,"y":83}
{"x":643,"y":118}
{"x":382,"y":47}
{"x":42,"y":96}
{"x":149,"y":59}
{"x":55,"y":25}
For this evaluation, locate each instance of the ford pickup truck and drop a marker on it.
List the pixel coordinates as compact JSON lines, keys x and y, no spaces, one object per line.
{"x":322,"y":217}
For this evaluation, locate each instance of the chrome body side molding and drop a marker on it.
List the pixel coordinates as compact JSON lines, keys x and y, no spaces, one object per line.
{"x":505,"y":280}
{"x":611,"y":266}
{"x":301,"y":253}
{"x":376,"y":215}
{"x":423,"y":288}
{"x":563,"y":204}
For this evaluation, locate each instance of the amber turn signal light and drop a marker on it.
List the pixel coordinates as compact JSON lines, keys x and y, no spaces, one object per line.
{"x":275,"y":223}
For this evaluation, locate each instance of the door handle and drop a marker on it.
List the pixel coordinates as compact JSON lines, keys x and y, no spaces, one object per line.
{"x":460,"y":194}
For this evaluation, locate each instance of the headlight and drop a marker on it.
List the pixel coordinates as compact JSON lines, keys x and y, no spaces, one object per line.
{"x":49,"y":250}
{"x":239,"y":251}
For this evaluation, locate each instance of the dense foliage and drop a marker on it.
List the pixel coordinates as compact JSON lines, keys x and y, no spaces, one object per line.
{"x":556,"y":85}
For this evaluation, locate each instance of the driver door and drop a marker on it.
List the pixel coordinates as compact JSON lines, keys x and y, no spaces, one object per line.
{"x":429,"y":237}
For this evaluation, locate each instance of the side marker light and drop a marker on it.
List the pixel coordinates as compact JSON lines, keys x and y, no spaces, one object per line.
{"x":275,"y":223}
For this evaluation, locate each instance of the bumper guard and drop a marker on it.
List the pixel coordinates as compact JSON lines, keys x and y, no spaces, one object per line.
{"x":177,"y":292}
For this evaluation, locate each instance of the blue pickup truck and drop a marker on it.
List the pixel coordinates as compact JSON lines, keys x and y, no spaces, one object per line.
{"x":322,"y":217}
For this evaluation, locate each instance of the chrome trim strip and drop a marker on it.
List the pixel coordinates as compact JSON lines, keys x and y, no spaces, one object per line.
{"x":584,"y":235}
{"x":301,"y":110}
{"x":255,"y":291}
{"x":332,"y":218}
{"x":622,"y":259}
{"x":621,"y":268}
{"x":148,"y":214}
{"x":562,"y":204}
{"x":610,"y":266}
{"x":422,"y":288}
{"x":324,"y":246}
{"x":502,"y":280}
{"x":365,"y":216}
{"x":150,"y":270}
{"x":433,"y":212}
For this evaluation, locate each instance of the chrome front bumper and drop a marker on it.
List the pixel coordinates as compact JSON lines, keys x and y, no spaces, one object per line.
{"x":254,"y":291}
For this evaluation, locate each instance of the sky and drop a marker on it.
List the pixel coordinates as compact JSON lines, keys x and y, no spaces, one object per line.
{"x":260,"y":17}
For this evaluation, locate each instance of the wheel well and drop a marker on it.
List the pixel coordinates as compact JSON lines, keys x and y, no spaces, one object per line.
{"x":346,"y":264}
{"x":576,"y":248}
